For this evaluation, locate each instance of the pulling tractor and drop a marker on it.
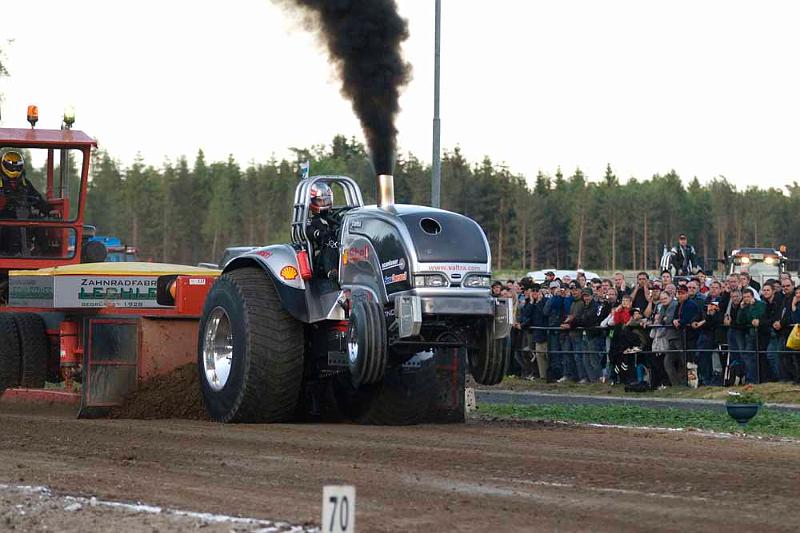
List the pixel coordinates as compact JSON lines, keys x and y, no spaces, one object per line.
{"x":385,"y":342}
{"x":76,"y":330}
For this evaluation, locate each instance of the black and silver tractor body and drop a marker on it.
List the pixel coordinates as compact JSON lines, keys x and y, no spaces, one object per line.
{"x":412,"y":289}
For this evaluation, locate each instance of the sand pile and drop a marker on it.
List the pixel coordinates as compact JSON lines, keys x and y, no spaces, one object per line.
{"x":173,"y":395}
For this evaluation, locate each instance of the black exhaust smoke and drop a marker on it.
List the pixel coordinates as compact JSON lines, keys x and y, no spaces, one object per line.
{"x":363,"y":38}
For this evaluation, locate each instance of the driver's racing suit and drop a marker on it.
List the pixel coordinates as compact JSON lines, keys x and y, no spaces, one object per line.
{"x":324,"y":232}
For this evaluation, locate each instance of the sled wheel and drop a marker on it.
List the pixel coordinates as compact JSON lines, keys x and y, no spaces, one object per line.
{"x":10,"y":360}
{"x":366,"y":343}
{"x":34,"y":348}
{"x":250,"y":351}
{"x":486,"y":360}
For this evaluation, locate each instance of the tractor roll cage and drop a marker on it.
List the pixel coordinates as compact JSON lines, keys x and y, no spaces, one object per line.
{"x":302,"y":201}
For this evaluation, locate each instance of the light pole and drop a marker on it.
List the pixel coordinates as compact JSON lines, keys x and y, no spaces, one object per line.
{"x":436,"y":178}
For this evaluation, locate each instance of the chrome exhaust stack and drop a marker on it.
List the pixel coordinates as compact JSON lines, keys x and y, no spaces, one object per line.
{"x":385,"y":191}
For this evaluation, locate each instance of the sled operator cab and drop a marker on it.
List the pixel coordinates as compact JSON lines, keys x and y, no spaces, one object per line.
{"x":411,"y":280}
{"x":43,"y":182}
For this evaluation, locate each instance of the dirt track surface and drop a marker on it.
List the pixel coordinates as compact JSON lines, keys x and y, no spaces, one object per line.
{"x":481,"y":476}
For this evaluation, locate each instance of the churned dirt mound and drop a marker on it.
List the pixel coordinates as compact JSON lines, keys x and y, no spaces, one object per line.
{"x":173,"y":395}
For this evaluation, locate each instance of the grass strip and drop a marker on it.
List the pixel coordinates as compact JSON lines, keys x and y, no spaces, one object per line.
{"x":770,"y":392}
{"x":766,"y":422}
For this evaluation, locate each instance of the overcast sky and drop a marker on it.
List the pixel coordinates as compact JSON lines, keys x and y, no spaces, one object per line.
{"x":705,"y":87}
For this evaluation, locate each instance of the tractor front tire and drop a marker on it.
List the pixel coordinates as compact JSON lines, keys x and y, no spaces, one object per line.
{"x":34,"y":348}
{"x":366,"y":343}
{"x":10,"y":360}
{"x":487,"y":362}
{"x":250,"y":351}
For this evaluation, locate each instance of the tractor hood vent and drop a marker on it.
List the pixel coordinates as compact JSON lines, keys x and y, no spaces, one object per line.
{"x":441,"y":236}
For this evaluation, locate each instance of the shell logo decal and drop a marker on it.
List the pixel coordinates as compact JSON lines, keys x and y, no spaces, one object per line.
{"x":289,"y":273}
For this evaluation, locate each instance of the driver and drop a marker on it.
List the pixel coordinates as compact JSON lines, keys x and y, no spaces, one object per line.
{"x":324,"y":232}
{"x":18,"y":196}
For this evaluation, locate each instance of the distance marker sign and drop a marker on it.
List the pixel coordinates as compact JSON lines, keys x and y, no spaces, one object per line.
{"x":338,"y":509}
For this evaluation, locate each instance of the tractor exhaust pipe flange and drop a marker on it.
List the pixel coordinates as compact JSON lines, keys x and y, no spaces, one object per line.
{"x":385,"y":191}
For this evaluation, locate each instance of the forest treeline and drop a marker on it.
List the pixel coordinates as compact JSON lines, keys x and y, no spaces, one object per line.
{"x":188,"y":212}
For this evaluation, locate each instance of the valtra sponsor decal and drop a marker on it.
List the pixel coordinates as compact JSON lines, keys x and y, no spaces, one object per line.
{"x":455,"y":268}
{"x":289,"y":273}
{"x":394,"y":263}
{"x":266,"y":254}
{"x":395,"y":278}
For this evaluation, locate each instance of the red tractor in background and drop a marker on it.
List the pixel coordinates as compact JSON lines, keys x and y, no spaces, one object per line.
{"x":75,"y":329}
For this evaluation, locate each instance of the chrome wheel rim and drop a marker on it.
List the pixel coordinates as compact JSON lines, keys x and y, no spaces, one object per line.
{"x":217,"y":349}
{"x":352,"y":344}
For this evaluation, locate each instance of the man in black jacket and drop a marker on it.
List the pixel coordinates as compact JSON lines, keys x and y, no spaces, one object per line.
{"x":790,"y":362}
{"x":532,"y":316}
{"x":587,"y":317}
{"x":707,"y":326}
{"x":684,"y":258}
{"x":767,"y":330}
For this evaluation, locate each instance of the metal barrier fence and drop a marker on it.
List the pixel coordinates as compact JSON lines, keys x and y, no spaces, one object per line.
{"x":750,"y":347}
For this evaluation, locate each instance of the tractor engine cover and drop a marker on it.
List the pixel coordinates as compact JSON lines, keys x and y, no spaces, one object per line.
{"x":392,"y":246}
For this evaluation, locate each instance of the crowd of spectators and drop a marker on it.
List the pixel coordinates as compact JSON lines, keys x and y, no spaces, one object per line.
{"x":658,"y":332}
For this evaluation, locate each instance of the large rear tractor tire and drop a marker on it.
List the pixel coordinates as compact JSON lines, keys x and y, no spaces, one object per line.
{"x":10,"y":360}
{"x":250,"y":351}
{"x":34,"y":348}
{"x":366,"y":343}
{"x":487,"y":361}
{"x":402,"y":398}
